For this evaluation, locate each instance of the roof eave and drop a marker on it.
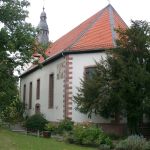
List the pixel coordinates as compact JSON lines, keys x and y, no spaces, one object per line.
{"x":59,"y":55}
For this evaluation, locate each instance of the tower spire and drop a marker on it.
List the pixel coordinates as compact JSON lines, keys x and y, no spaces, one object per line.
{"x":43,"y":29}
{"x":108,"y":1}
{"x":43,"y":5}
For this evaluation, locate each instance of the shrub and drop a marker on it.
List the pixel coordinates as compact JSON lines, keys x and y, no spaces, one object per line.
{"x":13,"y":113}
{"x":50,"y":127}
{"x":36,"y":122}
{"x":114,"y":136}
{"x":88,"y":135}
{"x":147,"y":146}
{"x":104,"y":147}
{"x":65,"y":125}
{"x":133,"y":142}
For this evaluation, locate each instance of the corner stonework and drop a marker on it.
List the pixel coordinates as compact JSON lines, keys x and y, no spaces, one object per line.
{"x":68,"y":87}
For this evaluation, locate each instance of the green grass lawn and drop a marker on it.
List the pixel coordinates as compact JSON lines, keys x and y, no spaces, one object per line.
{"x":15,"y":141}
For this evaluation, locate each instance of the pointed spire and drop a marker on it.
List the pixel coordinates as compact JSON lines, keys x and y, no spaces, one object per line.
{"x":43,"y":29}
{"x":108,"y":1}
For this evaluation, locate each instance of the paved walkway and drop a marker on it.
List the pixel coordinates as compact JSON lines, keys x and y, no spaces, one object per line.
{"x":17,"y":128}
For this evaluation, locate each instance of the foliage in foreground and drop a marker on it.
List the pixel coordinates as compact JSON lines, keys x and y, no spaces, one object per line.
{"x":133,"y":142}
{"x":17,"y":38}
{"x":84,"y":134}
{"x":65,"y":125}
{"x":36,"y":122}
{"x":13,"y":113}
{"x":121,"y":82}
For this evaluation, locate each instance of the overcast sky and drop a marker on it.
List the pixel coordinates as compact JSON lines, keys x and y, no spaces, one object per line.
{"x":64,"y":15}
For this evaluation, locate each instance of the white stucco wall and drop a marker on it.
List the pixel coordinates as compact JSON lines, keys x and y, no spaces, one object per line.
{"x":80,"y":61}
{"x":56,"y":112}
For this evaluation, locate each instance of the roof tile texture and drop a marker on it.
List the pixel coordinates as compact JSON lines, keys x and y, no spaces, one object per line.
{"x":94,"y":33}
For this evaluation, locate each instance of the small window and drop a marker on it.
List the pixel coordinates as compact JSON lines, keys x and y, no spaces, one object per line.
{"x":51,"y":91}
{"x":89,"y":71}
{"x":30,"y":95}
{"x":38,"y":89}
{"x":24,"y":94}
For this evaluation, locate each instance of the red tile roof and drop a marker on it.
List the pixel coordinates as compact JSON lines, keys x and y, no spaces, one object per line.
{"x":97,"y":32}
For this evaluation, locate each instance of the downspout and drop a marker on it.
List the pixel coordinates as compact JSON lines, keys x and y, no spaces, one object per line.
{"x":20,"y":89}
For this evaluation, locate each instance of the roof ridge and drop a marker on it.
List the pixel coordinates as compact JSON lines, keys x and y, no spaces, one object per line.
{"x":112,"y":25}
{"x":87,"y":28}
{"x":118,"y":15}
{"x":112,"y":12}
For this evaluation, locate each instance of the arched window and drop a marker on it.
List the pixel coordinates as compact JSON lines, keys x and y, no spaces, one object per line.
{"x":37,"y":108}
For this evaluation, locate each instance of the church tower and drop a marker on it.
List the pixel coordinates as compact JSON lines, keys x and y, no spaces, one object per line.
{"x":43,"y":29}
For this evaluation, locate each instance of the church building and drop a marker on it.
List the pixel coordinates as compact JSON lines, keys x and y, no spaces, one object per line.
{"x":50,"y":89}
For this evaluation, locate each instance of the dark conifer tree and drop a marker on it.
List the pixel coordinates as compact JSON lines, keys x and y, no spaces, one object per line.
{"x":121,"y":82}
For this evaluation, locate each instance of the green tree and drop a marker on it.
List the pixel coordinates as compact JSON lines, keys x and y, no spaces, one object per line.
{"x":17,"y":42}
{"x":121,"y":82}
{"x":13,"y":113}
